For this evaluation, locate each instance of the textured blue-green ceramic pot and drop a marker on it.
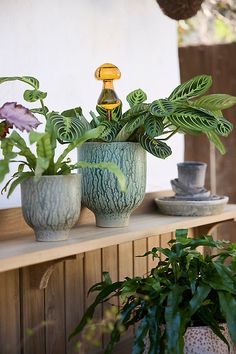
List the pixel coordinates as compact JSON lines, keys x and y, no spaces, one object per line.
{"x":51,"y":206}
{"x":100,"y":189}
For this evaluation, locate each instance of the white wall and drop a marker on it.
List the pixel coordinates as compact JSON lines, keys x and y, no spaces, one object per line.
{"x":61,"y":42}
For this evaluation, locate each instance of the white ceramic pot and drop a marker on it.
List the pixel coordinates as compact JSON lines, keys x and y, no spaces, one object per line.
{"x":201,"y":340}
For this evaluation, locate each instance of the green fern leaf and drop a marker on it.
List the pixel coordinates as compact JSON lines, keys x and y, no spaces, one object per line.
{"x":192,"y":88}
{"x":154,"y":126}
{"x":19,"y":142}
{"x":155,"y":147}
{"x":44,"y":151}
{"x":162,"y":108}
{"x":136,"y":97}
{"x":193,"y":119}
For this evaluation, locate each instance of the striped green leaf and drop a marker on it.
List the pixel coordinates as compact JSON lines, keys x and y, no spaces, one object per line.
{"x":136,"y":97}
{"x":162,"y":108}
{"x":67,"y":129}
{"x":215,"y":102}
{"x":214,"y":138}
{"x":155,"y":147}
{"x":224,"y":127}
{"x":135,"y":123}
{"x":154,"y":126}
{"x":135,"y":111}
{"x":193,"y":119}
{"x":34,"y":95}
{"x":111,"y":130}
{"x":27,"y":79}
{"x":39,"y":110}
{"x":192,"y":88}
{"x":116,"y":113}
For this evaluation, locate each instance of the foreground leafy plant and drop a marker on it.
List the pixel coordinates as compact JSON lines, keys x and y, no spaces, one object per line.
{"x":186,"y":110}
{"x":69,"y":128}
{"x":185,"y":289}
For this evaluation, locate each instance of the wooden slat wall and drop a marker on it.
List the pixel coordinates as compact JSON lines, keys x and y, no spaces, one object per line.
{"x":218,"y":61}
{"x":40,"y":321}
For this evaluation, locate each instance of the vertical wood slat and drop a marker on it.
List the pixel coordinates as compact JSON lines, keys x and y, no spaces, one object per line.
{"x":32,"y":312}
{"x":74,"y":300}
{"x":55,"y":312}
{"x":92,"y":275}
{"x":9,"y":313}
{"x":126,"y":269}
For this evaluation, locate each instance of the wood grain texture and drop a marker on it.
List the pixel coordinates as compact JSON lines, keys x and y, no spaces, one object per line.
{"x":32,"y":314}
{"x":74,"y":299}
{"x":10,"y":337}
{"x":93,"y":274}
{"x":24,"y":251}
{"x":55,"y":312}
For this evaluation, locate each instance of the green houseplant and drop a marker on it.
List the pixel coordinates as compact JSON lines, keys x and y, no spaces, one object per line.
{"x":51,"y":194}
{"x":145,"y":127}
{"x":184,"y":290}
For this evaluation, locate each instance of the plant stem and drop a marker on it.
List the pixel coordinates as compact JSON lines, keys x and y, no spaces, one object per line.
{"x":44,"y":109}
{"x":173,"y":133}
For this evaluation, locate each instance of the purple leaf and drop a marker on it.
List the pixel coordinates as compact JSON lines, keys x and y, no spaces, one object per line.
{"x":19,"y":116}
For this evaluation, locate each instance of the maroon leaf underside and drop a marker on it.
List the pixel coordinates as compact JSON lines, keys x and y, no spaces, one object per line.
{"x":19,"y":116}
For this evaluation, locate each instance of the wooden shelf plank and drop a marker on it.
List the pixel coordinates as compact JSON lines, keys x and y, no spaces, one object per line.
{"x":24,"y":250}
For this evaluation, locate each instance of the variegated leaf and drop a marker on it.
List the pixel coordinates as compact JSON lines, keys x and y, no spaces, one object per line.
{"x":34,"y":95}
{"x":215,"y":102}
{"x":111,"y":130}
{"x":192,"y":88}
{"x":193,"y":119}
{"x":153,"y":126}
{"x":162,"y":108}
{"x":135,"y":111}
{"x":155,"y":147}
{"x":224,"y":127}
{"x":135,"y":123}
{"x":136,"y":97}
{"x":67,"y":129}
{"x":27,"y":79}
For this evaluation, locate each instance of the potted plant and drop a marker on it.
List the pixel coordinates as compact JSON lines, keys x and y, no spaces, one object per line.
{"x":186,"y":294}
{"x":143,"y":127}
{"x":51,"y":194}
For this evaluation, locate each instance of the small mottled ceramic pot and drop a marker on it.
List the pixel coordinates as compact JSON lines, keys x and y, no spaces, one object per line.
{"x":201,"y":340}
{"x":100,"y":189}
{"x":51,"y":206}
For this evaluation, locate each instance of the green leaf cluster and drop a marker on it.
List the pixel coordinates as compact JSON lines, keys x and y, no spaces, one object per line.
{"x":186,"y":110}
{"x":69,"y":127}
{"x":186,"y":288}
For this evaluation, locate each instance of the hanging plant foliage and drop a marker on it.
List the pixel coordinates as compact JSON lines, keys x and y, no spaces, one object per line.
{"x":180,"y":9}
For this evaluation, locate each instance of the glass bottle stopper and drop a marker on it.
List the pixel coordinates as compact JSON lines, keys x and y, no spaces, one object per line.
{"x":108,"y":98}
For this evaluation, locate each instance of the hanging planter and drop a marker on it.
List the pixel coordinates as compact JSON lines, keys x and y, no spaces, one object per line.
{"x":180,"y":9}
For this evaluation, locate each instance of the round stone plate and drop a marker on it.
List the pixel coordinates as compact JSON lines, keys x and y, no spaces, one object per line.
{"x":171,"y":206}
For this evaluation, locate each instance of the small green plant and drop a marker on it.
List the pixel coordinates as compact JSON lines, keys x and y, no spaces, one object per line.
{"x":186,"y":110}
{"x":185,"y":289}
{"x":69,"y":128}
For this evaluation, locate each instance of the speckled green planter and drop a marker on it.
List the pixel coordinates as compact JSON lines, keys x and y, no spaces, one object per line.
{"x":100,"y":189}
{"x":51,"y":206}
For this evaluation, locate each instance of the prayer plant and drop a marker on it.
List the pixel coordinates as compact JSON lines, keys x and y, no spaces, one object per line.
{"x":186,"y":110}
{"x":69,"y":128}
{"x":186,"y":288}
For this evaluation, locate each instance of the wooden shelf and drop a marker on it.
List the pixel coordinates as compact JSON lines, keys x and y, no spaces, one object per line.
{"x":24,"y":250}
